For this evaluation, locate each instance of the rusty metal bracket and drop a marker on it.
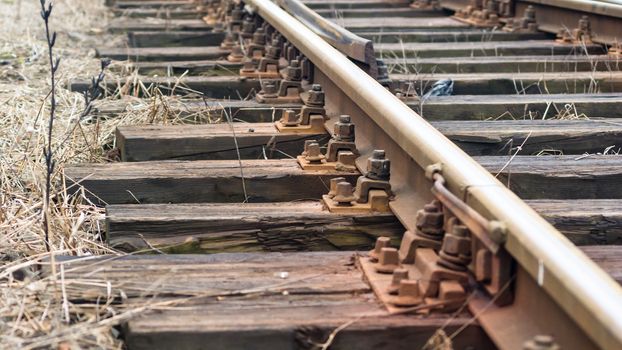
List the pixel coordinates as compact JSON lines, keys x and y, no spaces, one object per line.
{"x":311,"y":117}
{"x":582,"y":34}
{"x":525,"y":24}
{"x":452,"y":244}
{"x":371,"y":194}
{"x":341,"y":151}
{"x":288,"y":89}
{"x":480,"y":13}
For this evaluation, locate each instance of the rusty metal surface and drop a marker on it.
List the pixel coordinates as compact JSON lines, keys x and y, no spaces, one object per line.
{"x":583,"y":291}
{"x":351,"y":45}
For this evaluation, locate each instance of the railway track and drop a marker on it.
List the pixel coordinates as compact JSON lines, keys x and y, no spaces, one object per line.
{"x":363,"y":174}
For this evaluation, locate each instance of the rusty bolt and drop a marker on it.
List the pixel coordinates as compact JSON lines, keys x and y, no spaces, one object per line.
{"x":333,"y":182}
{"x":269,"y":88}
{"x":236,"y":14}
{"x":316,"y":96}
{"x":274,"y":50}
{"x":430,"y":219}
{"x":346,"y":159}
{"x":236,"y":51}
{"x":290,"y":118}
{"x":530,"y":13}
{"x":344,"y":129}
{"x":399,"y":274}
{"x":259,"y":37}
{"x":294,"y":72}
{"x":248,"y":26}
{"x":388,"y":260}
{"x":408,"y":293}
{"x":344,"y":194}
{"x":457,"y":243}
{"x":381,"y":242}
{"x":541,"y":342}
{"x":314,"y":155}
{"x":378,"y":166}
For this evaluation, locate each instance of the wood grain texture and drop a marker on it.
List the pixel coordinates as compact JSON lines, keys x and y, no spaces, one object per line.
{"x":584,"y":221}
{"x":174,"y":38}
{"x":519,"y":83}
{"x":514,"y":106}
{"x":163,"y":53}
{"x":558,"y":177}
{"x":219,"y":87}
{"x":121,"y":25}
{"x":388,"y":23}
{"x":199,"y":181}
{"x":609,"y":258}
{"x":210,"y":141}
{"x":201,"y":67}
{"x":252,"y":301}
{"x":505,"y":64}
{"x":446,"y":36}
{"x":278,"y":227}
{"x":485,"y":48}
{"x":216,"y":110}
{"x":216,"y":141}
{"x":502,"y":137}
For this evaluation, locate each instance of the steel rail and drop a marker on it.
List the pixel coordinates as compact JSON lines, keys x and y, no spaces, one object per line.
{"x":576,"y":283}
{"x":351,"y":45}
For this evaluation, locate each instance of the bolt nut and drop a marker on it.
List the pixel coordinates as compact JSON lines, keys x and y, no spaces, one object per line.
{"x":344,"y":194}
{"x":344,"y":129}
{"x":398,"y":275}
{"x":381,"y":242}
{"x":378,"y":167}
{"x":314,"y":155}
{"x":430,"y":220}
{"x":269,"y":88}
{"x":388,"y":260}
{"x":316,"y":96}
{"x":290,"y":118}
{"x":408,"y":293}
{"x":293,"y":71}
{"x":333,"y":182}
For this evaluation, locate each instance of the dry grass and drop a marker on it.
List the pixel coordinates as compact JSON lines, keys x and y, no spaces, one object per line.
{"x":36,"y":312}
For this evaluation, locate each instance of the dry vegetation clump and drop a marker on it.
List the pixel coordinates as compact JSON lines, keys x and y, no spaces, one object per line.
{"x":35,"y":311}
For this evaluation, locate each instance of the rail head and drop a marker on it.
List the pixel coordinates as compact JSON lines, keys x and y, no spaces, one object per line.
{"x":576,"y":283}
{"x":353,"y":46}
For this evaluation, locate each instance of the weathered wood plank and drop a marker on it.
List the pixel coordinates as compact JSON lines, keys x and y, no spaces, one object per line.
{"x":176,"y":38}
{"x":535,"y":136}
{"x":214,"y":110}
{"x":163,"y":53}
{"x":219,"y":87}
{"x":181,"y":12}
{"x":609,"y":258}
{"x":504,"y":64}
{"x":584,"y":221}
{"x":201,"y":67}
{"x":199,"y":181}
{"x":367,"y":13}
{"x":216,"y":141}
{"x":463,"y":107}
{"x":270,"y":227}
{"x":485,"y":48}
{"x":121,"y":25}
{"x":246,"y":301}
{"x":155,"y":4}
{"x":398,"y":23}
{"x":519,"y":83}
{"x":355,"y":4}
{"x":528,"y":106}
{"x":558,"y":177}
{"x":210,"y":141}
{"x":447,"y":36}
